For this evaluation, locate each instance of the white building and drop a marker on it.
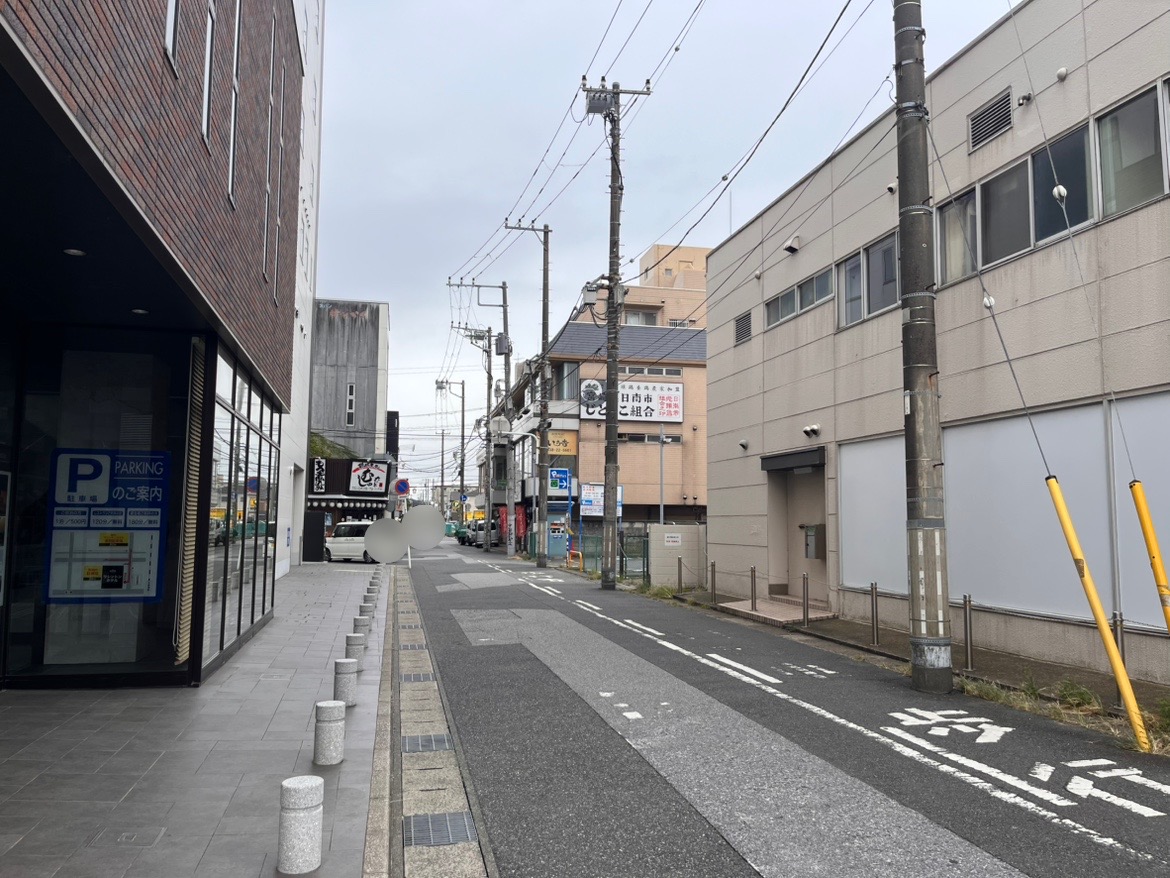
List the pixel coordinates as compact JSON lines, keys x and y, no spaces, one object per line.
{"x":805,"y":403}
{"x":294,"y":438}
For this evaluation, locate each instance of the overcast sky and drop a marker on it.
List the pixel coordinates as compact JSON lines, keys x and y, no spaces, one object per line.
{"x":437,"y":115}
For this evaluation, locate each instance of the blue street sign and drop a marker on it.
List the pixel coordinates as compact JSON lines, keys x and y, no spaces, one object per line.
{"x":558,"y":479}
{"x":462,"y":498}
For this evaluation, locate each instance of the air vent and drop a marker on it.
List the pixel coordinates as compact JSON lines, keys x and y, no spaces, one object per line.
{"x":743,"y":327}
{"x":991,"y":120}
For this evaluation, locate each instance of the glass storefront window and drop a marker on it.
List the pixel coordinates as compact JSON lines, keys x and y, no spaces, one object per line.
{"x":219,"y":534}
{"x":242,"y":395}
{"x":224,"y":378}
{"x":255,"y":414}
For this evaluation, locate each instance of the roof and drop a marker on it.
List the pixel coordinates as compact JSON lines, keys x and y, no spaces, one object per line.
{"x":582,"y":341}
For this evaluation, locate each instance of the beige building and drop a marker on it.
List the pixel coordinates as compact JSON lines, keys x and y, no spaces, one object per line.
{"x":663,"y":388}
{"x":806,"y":460}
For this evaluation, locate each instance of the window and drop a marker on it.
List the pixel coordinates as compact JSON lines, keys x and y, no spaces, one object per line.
{"x":956,"y":238}
{"x":1070,"y":155}
{"x":1006,"y":218}
{"x":635,"y":370}
{"x":564,"y":380}
{"x":743,"y":327}
{"x":268,"y":150}
{"x":788,"y":303}
{"x":207,"y":68}
{"x":849,"y":283}
{"x":171,"y":37}
{"x":668,"y":272}
{"x":231,"y":180}
{"x":1131,"y":154}
{"x":815,"y":289}
{"x":881,"y":281}
{"x":675,"y":373}
{"x":679,"y":324}
{"x":653,"y":370}
{"x":349,"y":404}
{"x":634,"y":317}
{"x":772,"y":311}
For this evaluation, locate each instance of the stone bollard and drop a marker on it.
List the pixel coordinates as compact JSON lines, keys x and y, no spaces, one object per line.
{"x":345,"y":681}
{"x":361,"y":624}
{"x":302,"y":819}
{"x":329,"y":733}
{"x":372,"y":596}
{"x":355,"y":648}
{"x":366,"y":610}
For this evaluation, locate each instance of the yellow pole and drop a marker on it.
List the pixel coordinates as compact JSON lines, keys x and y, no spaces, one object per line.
{"x":1119,"y":672}
{"x":1143,"y":514}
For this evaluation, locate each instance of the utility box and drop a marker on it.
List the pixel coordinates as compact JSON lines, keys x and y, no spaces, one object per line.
{"x":814,"y":541}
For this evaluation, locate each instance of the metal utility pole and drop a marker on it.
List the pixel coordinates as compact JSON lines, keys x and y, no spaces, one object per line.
{"x":608,"y":103}
{"x":510,"y":460}
{"x":930,"y":624}
{"x":443,"y":472}
{"x":545,"y":378}
{"x":441,"y":384}
{"x":487,"y":444}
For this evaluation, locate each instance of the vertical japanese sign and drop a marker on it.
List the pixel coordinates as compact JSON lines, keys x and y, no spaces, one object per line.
{"x":107,"y":526}
{"x":318,"y":476}
{"x":5,"y":486}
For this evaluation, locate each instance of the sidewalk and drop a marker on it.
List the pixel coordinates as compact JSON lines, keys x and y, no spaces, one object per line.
{"x":162,"y":783}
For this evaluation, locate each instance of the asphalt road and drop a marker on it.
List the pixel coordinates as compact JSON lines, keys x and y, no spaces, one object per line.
{"x":608,"y":734}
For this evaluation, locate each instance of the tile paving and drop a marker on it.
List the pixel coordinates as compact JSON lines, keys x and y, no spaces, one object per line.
{"x":87,"y":778}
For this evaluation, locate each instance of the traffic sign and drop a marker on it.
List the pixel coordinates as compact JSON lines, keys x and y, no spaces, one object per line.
{"x":462,"y":498}
{"x":558,"y":479}
{"x":402,"y":487}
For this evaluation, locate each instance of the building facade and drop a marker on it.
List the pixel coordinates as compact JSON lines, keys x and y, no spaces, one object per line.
{"x":155,"y":208}
{"x":662,"y":392}
{"x":806,"y":458}
{"x":351,"y":353}
{"x":294,"y":438}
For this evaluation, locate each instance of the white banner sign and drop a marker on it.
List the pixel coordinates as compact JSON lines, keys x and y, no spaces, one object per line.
{"x":593,"y":500}
{"x":637,"y":401}
{"x":368,"y":477}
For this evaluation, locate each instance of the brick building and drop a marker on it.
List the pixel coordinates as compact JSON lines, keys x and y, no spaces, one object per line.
{"x":152,"y":151}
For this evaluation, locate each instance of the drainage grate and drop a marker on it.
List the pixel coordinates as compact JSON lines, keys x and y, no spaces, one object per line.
{"x":426,"y":743}
{"x":417,"y":678}
{"x":413,"y":646}
{"x":141,"y":837}
{"x":436,"y":829}
{"x":410,"y":625}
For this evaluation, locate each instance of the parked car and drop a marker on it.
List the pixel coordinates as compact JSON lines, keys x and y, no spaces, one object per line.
{"x":463,"y":533}
{"x":479,"y":531}
{"x":348,"y":542}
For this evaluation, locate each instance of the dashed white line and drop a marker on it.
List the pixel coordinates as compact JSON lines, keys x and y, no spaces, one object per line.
{"x":760,"y":675}
{"x":589,"y":605}
{"x":645,"y":628}
{"x":632,"y":714}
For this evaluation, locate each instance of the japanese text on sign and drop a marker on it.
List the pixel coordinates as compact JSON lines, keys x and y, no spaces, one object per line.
{"x":641,"y":401}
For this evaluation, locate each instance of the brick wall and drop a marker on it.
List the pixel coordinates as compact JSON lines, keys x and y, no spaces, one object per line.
{"x":109,"y":65}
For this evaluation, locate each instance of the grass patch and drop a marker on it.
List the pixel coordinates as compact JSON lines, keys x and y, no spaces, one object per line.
{"x":1073,"y":695}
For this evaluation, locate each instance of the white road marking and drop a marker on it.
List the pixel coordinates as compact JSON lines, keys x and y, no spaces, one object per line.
{"x":550,"y":588}
{"x":982,"y":768}
{"x":632,"y":714}
{"x":903,"y":750}
{"x":1043,"y":772}
{"x":822,"y":670}
{"x":1134,"y":775}
{"x":1083,"y":787}
{"x":622,"y":704}
{"x":590,"y":606}
{"x":1089,"y":763}
{"x":605,"y":694}
{"x":545,"y":590}
{"x":645,"y":628}
{"x":759,"y":675}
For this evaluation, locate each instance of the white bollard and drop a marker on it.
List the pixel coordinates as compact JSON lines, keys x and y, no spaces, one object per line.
{"x":302,"y":819}
{"x":345,"y":681}
{"x":329,"y":733}
{"x":371,"y":597}
{"x":366,"y":610}
{"x":361,"y":625}
{"x":355,"y":648}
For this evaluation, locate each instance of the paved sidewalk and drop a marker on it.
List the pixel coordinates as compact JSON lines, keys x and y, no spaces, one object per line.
{"x":161,"y":783}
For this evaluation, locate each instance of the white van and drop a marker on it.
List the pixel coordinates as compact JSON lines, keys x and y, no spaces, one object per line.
{"x":348,"y":542}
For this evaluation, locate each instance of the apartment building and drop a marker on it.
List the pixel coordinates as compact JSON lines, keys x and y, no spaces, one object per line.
{"x":150,"y":232}
{"x":806,"y":458}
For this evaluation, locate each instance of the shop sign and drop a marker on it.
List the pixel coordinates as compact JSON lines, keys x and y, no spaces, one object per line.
{"x":107,"y":526}
{"x":562,"y":443}
{"x":367,"y":477}
{"x":318,"y":475}
{"x":637,"y":401}
{"x":593,"y":500}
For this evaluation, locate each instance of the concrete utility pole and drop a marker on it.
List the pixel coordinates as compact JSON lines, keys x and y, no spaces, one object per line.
{"x":442,"y":384}
{"x":545,"y":378}
{"x":609,"y":104}
{"x":443,"y":473}
{"x":926,"y":544}
{"x":510,"y":460}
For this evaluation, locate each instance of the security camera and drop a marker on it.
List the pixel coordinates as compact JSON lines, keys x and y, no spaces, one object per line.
{"x":892,"y":187}
{"x":812,"y":430}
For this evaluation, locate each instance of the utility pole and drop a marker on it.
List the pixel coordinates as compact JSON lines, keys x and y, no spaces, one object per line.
{"x":442,"y":384}
{"x":482,"y":340}
{"x":443,"y":473}
{"x":545,"y":378}
{"x":504,"y":347}
{"x":608,"y":103}
{"x":930,"y":626}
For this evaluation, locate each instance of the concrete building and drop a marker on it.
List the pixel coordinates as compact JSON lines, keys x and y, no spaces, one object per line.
{"x":351,"y":353}
{"x":150,"y":232}
{"x":662,"y":361}
{"x":806,"y":461}
{"x":294,"y":436}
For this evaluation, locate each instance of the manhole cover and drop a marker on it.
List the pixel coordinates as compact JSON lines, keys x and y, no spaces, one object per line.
{"x":139,"y":837}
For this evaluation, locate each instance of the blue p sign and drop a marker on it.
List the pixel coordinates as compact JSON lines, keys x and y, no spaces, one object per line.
{"x":83,"y":478}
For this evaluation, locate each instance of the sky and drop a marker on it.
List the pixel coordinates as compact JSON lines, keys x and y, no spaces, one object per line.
{"x":441,"y":119}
